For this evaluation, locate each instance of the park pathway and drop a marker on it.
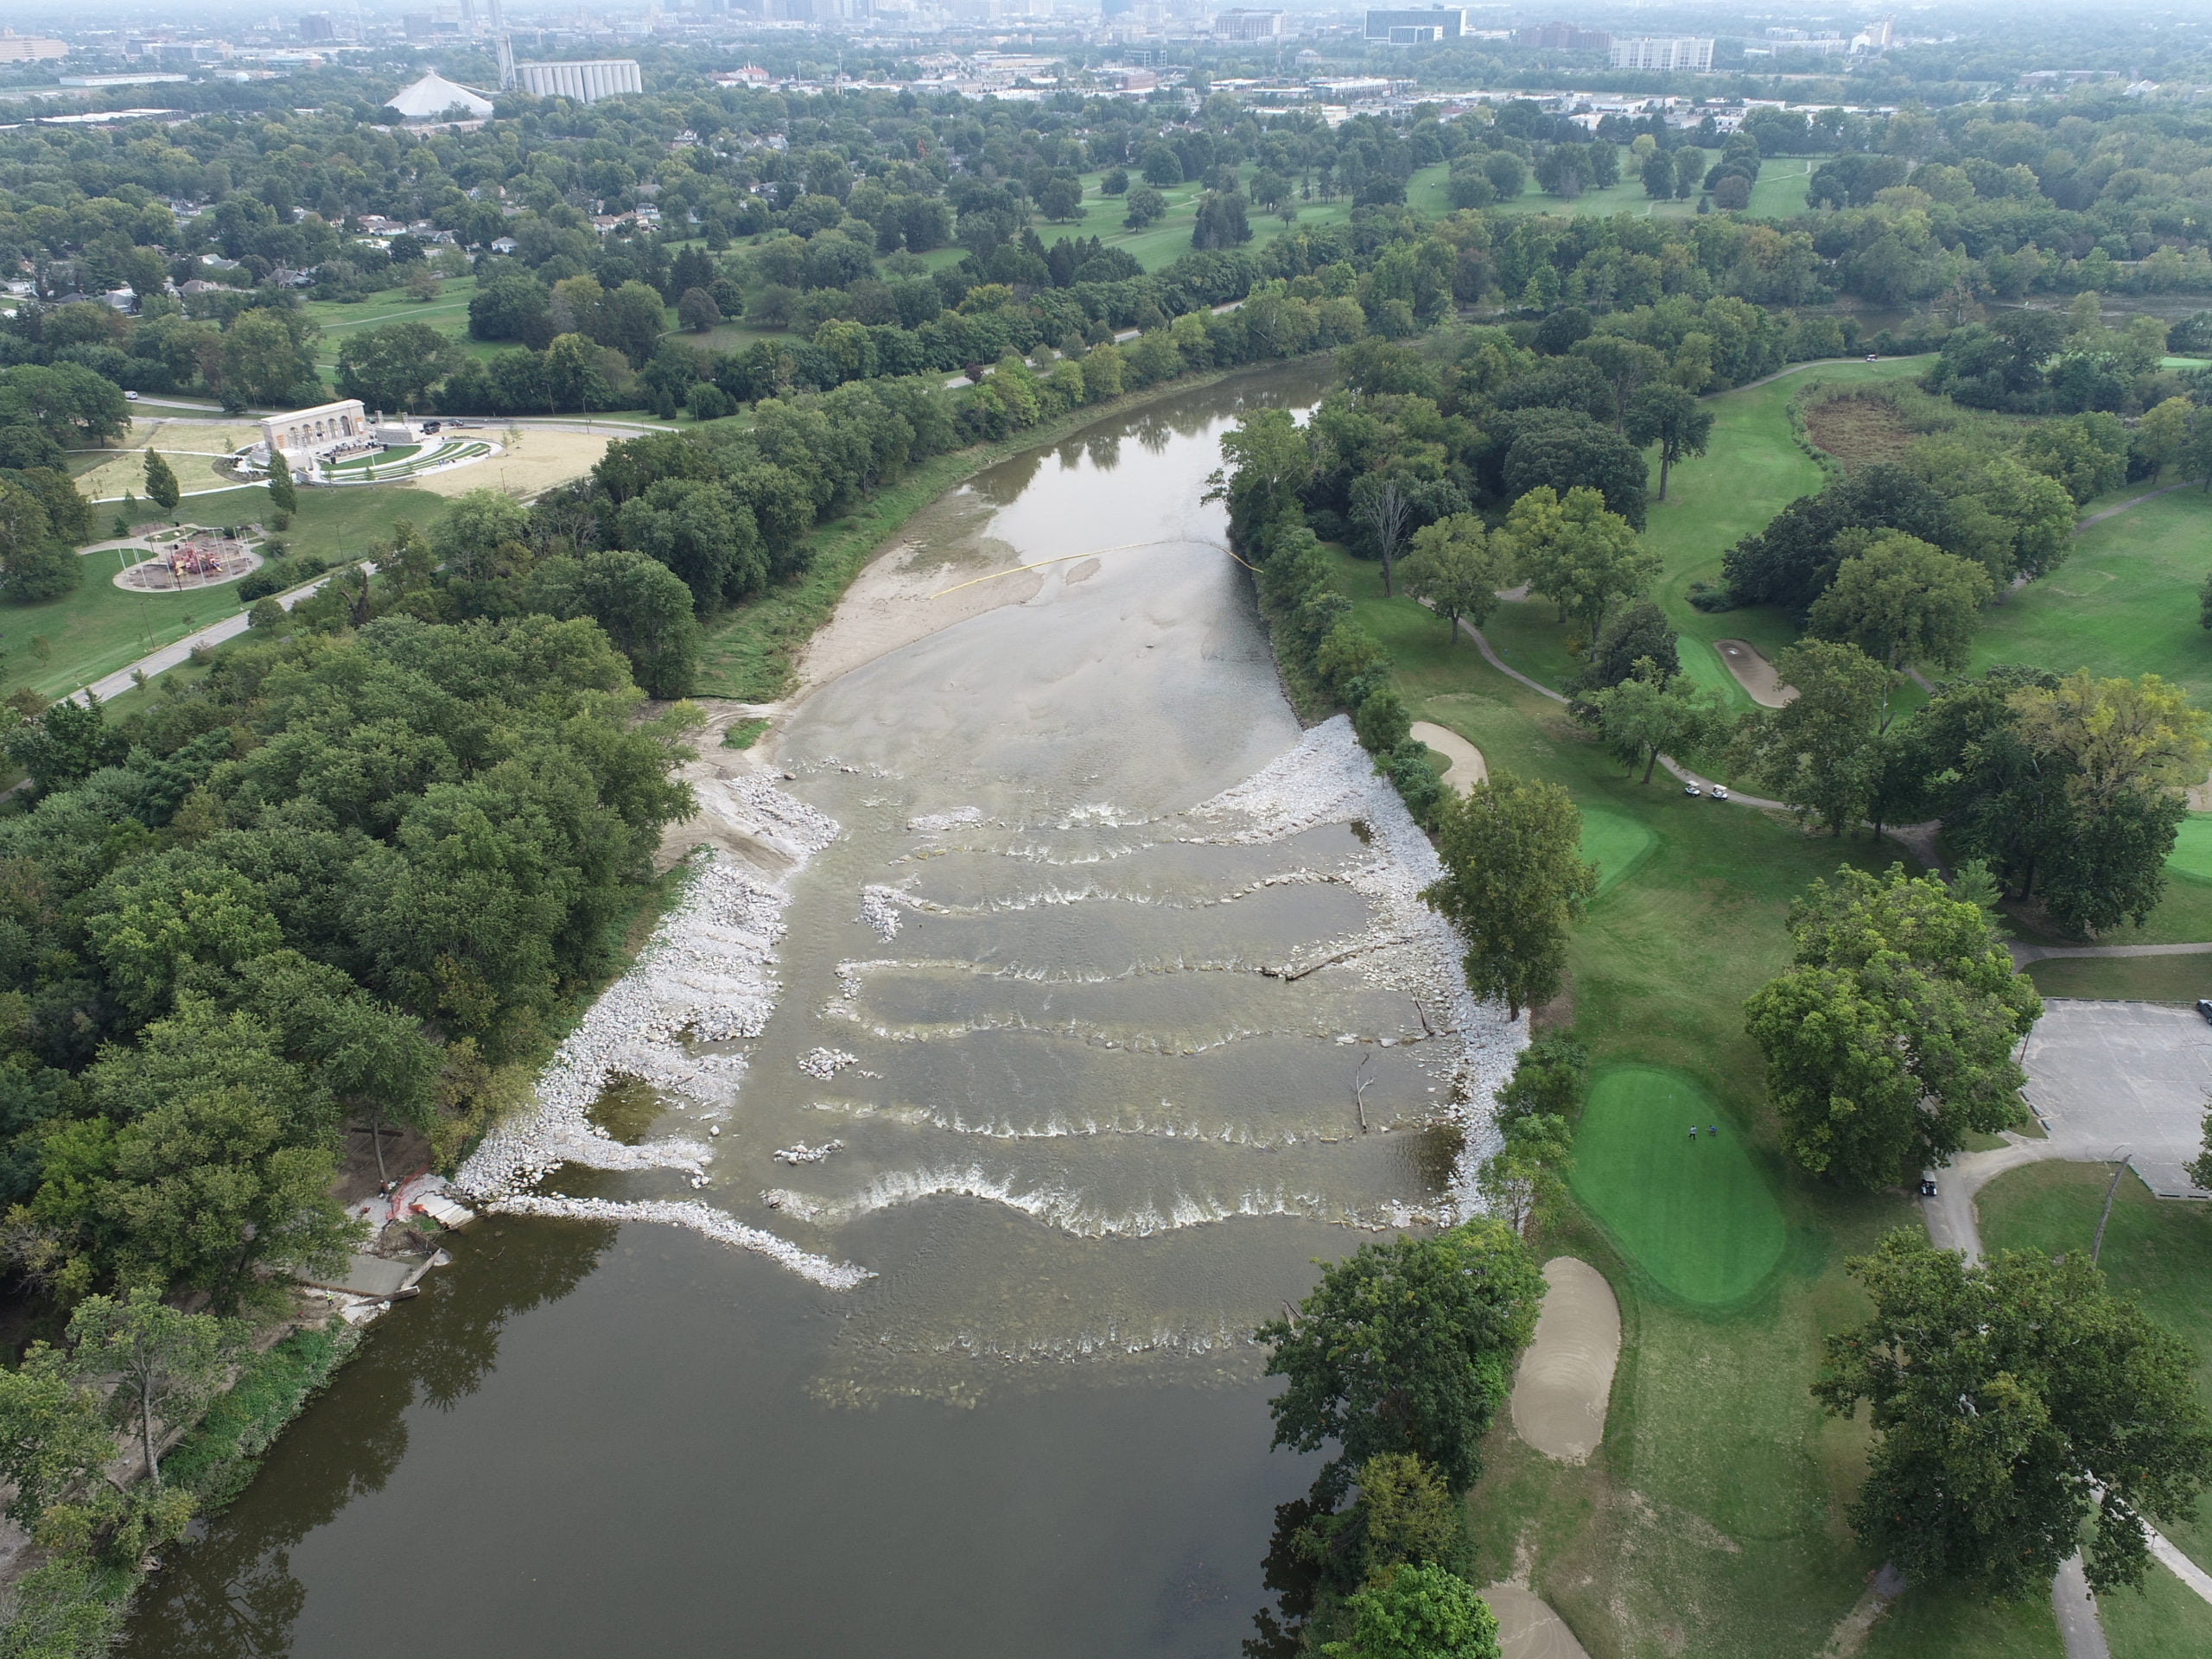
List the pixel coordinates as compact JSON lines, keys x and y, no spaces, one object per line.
{"x":109,"y":687}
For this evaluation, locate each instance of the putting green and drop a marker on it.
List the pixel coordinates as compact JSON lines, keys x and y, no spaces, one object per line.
{"x":1616,"y":843}
{"x":2192,"y":853}
{"x":1696,"y":1214}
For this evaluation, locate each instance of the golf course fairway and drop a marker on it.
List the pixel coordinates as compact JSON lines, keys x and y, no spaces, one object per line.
{"x":1614,"y":842}
{"x":2192,"y":853}
{"x":1694,"y":1214}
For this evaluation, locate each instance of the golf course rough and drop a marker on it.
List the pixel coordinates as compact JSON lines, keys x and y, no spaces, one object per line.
{"x":1693,"y":1211}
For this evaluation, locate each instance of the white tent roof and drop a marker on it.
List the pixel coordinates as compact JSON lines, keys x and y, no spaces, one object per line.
{"x":432,"y":96}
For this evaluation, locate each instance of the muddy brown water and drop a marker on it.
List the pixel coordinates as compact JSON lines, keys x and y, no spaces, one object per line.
{"x":1086,"y":1147}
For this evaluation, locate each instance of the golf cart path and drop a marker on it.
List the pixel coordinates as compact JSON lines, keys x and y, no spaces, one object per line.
{"x":1681,"y":773}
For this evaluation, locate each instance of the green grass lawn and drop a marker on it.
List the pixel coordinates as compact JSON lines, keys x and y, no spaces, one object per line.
{"x":2131,"y":979}
{"x":2161,"y":1254}
{"x":1687,"y":1206}
{"x":1616,"y":842}
{"x":1752,"y":469}
{"x":2125,"y":603}
{"x":1710,"y":1522}
{"x":100,"y":627}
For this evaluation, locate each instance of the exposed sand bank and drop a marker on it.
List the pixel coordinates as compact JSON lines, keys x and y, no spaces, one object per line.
{"x":1754,"y":673}
{"x":1566,"y":1373}
{"x":942,"y":570}
{"x":1467,"y":768}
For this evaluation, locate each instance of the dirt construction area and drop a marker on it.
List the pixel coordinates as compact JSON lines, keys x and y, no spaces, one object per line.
{"x":542,"y":459}
{"x":2125,"y":1079}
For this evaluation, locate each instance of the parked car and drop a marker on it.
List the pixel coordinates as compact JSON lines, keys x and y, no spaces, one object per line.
{"x":2204,"y":1007}
{"x":132,"y":395}
{"x":428,"y":427}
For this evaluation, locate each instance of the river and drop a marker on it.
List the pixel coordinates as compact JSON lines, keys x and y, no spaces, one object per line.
{"x":1079,"y":1141}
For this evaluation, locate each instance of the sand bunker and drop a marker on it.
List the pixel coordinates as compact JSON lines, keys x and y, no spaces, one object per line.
{"x":1526,"y":1627}
{"x":1467,"y":768}
{"x":1567,"y":1375}
{"x":1754,"y":673}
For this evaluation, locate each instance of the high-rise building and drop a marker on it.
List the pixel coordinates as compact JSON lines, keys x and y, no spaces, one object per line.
{"x":1238,"y":24}
{"x":1672,"y":54}
{"x":586,"y":80}
{"x":316,"y":26}
{"x":18,"y":48}
{"x":1565,"y":37}
{"x":1417,"y":28}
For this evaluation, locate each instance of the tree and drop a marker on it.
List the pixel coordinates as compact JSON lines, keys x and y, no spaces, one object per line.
{"x":2162,"y":435}
{"x":1268,"y":462}
{"x":1900,"y":600}
{"x":698,"y":311}
{"x":1523,"y":1181}
{"x":1456,"y":568}
{"x":1406,"y":1347}
{"x":1658,"y":174}
{"x":1418,"y":1612}
{"x":167,"y":1366}
{"x":1671,"y":418}
{"x":1892,"y":1037}
{"x":1381,"y":502}
{"x":1626,"y":364}
{"x":161,"y":483}
{"x":1642,"y":631}
{"x":1514,"y":881}
{"x":69,"y":402}
{"x":395,"y":366}
{"x":1690,"y":168}
{"x":267,"y":357}
{"x":1819,"y":752}
{"x":2014,"y":1401}
{"x":1220,"y":221}
{"x":643,"y":605}
{"x":630,"y":320}
{"x":54,"y":1447}
{"x":1646,"y":715}
{"x":1145,"y":205}
{"x":1564,"y":449}
{"x":283,"y":496}
{"x":32,"y":567}
{"x":1061,"y":201}
{"x":1576,"y":554}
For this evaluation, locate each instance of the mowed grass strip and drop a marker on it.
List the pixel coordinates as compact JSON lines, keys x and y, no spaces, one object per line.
{"x":1685,"y":1203}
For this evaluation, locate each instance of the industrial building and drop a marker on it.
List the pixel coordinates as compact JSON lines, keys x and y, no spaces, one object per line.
{"x":587,"y":81}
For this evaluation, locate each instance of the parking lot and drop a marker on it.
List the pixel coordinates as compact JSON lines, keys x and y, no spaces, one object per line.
{"x":2125,"y":1078}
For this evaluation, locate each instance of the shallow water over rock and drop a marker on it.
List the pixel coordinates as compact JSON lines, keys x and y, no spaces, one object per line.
{"x":1041,"y":1064}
